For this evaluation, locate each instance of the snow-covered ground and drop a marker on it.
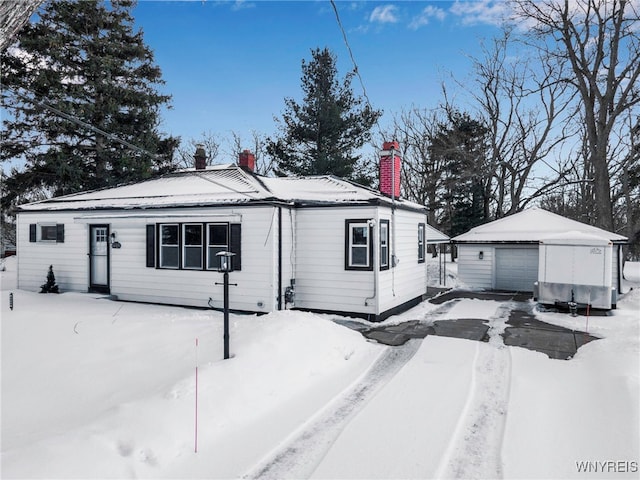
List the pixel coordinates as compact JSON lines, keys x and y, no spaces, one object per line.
{"x":93,"y":388}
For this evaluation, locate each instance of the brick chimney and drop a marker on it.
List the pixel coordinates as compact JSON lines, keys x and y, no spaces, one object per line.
{"x":200,"y":157}
{"x":389,"y":168}
{"x":247,"y":161}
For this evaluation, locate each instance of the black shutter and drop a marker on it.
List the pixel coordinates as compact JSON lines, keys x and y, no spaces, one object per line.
{"x":235,"y":244}
{"x":32,"y":232}
{"x":60,"y":233}
{"x":151,"y":245}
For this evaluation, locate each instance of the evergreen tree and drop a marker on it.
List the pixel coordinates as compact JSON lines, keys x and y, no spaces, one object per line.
{"x":461,"y":144}
{"x":50,"y":286}
{"x":323,"y":134}
{"x":79,"y":82}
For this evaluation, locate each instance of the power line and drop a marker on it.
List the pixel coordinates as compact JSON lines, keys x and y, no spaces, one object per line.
{"x":82,"y":123}
{"x":356,"y":70}
{"x":114,"y":138}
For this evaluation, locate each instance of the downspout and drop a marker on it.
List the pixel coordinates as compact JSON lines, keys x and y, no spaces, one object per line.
{"x":620,"y":270}
{"x":279,"y":258}
{"x":372,"y":224}
{"x":393,"y":220}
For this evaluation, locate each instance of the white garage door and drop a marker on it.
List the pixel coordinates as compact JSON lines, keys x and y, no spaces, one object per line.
{"x":516,"y":268}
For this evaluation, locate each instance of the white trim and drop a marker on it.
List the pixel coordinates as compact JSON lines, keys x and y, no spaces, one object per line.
{"x":160,"y":245}
{"x":216,"y":217}
{"x":186,"y":246}
{"x":366,"y":246}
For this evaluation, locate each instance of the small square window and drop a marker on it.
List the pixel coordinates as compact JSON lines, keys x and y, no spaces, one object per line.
{"x":48,"y":233}
{"x":358,"y":251}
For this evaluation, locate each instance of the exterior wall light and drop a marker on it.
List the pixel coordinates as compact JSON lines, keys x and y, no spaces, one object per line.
{"x":481,"y":255}
{"x":225,"y":266}
{"x":114,"y":243}
{"x":225,"y":261}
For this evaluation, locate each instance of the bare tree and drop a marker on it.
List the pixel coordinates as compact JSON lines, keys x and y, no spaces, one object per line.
{"x":422,"y":173}
{"x":257,"y":145}
{"x":211,"y":143}
{"x":523,"y":112}
{"x":599,"y":40}
{"x":625,"y":186}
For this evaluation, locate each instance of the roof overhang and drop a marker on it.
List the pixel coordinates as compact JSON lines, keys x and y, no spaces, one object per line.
{"x":516,"y":242}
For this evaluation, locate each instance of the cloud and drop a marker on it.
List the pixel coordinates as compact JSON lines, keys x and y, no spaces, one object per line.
{"x":241,"y":5}
{"x":426,"y":15}
{"x":489,"y":12}
{"x":384,"y":14}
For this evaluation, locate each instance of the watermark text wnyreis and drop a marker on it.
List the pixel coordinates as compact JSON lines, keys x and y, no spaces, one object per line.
{"x":609,"y":466}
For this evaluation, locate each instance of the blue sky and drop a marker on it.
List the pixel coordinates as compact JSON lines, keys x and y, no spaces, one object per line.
{"x":229,"y":65}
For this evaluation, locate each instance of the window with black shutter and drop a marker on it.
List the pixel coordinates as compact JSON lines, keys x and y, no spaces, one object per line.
{"x":46,"y":232}
{"x":60,"y":233}
{"x":193,"y":246}
{"x":235,"y":244}
{"x":151,"y":246}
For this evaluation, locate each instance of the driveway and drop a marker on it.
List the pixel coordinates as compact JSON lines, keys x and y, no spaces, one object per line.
{"x":521,"y":328}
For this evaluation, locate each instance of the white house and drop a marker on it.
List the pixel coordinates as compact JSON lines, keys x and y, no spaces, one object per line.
{"x":316,"y":243}
{"x":505,"y":254}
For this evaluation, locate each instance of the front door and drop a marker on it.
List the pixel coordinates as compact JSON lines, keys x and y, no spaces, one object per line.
{"x":99,"y":258}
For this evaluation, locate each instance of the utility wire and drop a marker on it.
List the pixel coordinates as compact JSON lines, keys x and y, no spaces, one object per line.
{"x":114,"y":138}
{"x":82,"y":123}
{"x":356,"y":70}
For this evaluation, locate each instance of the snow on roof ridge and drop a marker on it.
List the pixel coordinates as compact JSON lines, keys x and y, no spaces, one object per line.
{"x":226,"y":179}
{"x":553,"y":223}
{"x":217,"y":166}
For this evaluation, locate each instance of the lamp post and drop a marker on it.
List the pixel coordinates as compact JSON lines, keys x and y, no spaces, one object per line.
{"x":225,"y":266}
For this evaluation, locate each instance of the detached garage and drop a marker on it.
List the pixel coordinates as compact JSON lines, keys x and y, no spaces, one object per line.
{"x":504,"y":254}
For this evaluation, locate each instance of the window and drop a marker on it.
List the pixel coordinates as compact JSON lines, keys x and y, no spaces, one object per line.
{"x":169,"y":246}
{"x":358,"y":252}
{"x":217,"y":241}
{"x":192,"y":246}
{"x":49,"y":232}
{"x":421,"y":227}
{"x":384,"y":244}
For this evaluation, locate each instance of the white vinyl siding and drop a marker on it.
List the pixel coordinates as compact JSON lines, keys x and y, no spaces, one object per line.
{"x":255,"y":290}
{"x":70,"y":259}
{"x":131,"y":279}
{"x":313,"y":254}
{"x":473,"y":271}
{"x":321,"y":279}
{"x":408,"y":279}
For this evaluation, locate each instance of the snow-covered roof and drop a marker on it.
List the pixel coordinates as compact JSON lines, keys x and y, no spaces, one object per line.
{"x":575,"y":238}
{"x":218,"y":185}
{"x":531,"y":225}
{"x":433,"y":235}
